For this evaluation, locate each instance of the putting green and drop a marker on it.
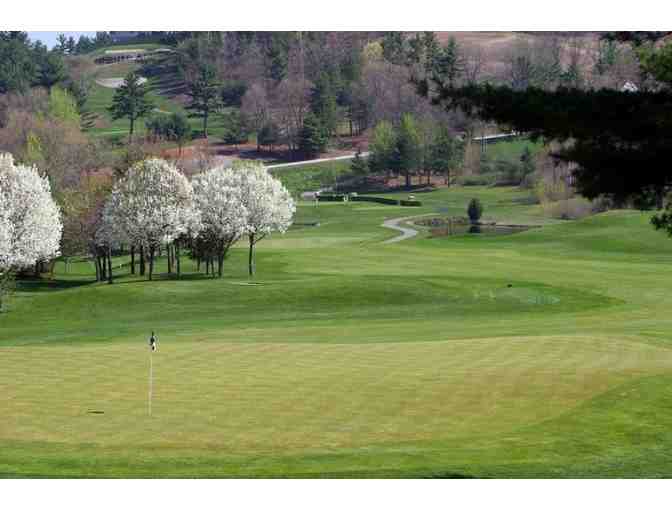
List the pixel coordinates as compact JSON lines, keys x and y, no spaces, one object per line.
{"x":246,"y":398}
{"x":541,"y":354}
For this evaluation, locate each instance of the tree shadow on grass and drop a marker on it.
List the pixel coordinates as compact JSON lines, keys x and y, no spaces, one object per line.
{"x":40,"y":285}
{"x":165,"y":277}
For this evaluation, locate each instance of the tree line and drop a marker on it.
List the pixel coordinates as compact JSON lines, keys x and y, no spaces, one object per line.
{"x":411,"y":148}
{"x":154,"y":206}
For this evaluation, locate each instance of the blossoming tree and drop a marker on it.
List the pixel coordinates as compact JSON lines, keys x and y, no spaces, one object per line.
{"x":269,"y":205}
{"x":218,"y":197}
{"x":30,"y":220}
{"x":151,"y":206}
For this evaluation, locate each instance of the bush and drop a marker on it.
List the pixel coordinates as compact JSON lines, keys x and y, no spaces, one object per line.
{"x":173,"y":127}
{"x":379,"y":200}
{"x":475,"y":210}
{"x":571,"y":209}
{"x":233,"y":92}
{"x":330,"y":198}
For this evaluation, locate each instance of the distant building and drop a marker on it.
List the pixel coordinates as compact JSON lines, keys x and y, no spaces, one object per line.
{"x":122,"y":37}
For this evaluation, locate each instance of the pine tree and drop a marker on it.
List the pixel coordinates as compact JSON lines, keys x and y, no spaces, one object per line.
{"x":269,"y":135}
{"x":312,"y":137}
{"x":394,"y":47}
{"x":51,"y":70}
{"x":408,"y":148}
{"x":323,"y":103}
{"x":131,"y":101}
{"x":475,"y":210}
{"x":62,"y":43}
{"x":444,"y":153}
{"x":449,"y":63}
{"x":236,"y":130}
{"x":205,"y":94}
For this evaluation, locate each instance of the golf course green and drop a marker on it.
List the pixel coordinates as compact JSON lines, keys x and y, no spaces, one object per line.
{"x":546,"y":353}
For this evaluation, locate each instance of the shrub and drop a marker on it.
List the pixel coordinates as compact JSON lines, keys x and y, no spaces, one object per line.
{"x":379,"y":200}
{"x":330,"y":198}
{"x":475,"y":210}
{"x":571,"y":209}
{"x":232,"y":92}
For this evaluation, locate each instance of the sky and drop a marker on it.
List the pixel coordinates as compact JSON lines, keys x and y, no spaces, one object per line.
{"x":49,"y":38}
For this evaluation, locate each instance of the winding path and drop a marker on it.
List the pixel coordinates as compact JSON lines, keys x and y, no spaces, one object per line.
{"x":406,"y":232}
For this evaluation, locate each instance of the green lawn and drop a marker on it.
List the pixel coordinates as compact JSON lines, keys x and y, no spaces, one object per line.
{"x":312,"y":176}
{"x":542,"y":354}
{"x":511,"y":149}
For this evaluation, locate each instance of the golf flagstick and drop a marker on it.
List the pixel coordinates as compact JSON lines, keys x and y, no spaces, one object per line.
{"x":151,"y":380}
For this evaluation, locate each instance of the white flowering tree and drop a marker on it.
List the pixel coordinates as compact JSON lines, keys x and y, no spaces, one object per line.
{"x":217,"y":194}
{"x":150,"y":207}
{"x":269,"y":205}
{"x":30,"y":220}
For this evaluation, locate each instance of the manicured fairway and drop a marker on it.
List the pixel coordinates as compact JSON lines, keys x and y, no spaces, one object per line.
{"x":542,"y":354}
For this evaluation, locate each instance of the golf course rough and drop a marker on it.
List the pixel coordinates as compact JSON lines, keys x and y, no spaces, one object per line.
{"x":541,"y":354}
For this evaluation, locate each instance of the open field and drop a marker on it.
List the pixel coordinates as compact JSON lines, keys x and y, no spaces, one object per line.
{"x":542,"y":354}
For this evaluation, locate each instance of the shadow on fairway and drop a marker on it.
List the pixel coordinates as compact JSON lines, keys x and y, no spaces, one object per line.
{"x":165,"y":277}
{"x":49,"y":285}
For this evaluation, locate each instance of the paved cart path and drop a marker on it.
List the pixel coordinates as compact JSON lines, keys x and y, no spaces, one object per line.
{"x":406,"y":232}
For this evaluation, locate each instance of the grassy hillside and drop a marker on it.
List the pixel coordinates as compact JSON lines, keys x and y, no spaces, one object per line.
{"x":160,"y":73}
{"x":312,"y":176}
{"x":541,"y":354}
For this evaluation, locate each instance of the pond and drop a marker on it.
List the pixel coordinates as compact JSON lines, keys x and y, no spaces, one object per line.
{"x":482,"y":230}
{"x":441,"y":227}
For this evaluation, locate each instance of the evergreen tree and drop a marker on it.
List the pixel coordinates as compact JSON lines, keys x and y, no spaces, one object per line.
{"x":236,"y":129}
{"x":382,"y":148}
{"x":79,"y":90}
{"x":449,"y":63}
{"x":475,"y":210}
{"x":70,"y":46}
{"x":62,"y":41}
{"x":432,"y":50}
{"x":323,"y":103}
{"x":276,"y":46}
{"x":408,"y":148}
{"x":269,"y":135}
{"x":233,"y":92}
{"x":445,"y":153}
{"x":312,"y":137}
{"x":131,"y":101}
{"x":18,"y":62}
{"x":205,"y":94}
{"x":51,"y":70}
{"x":394,"y":47}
